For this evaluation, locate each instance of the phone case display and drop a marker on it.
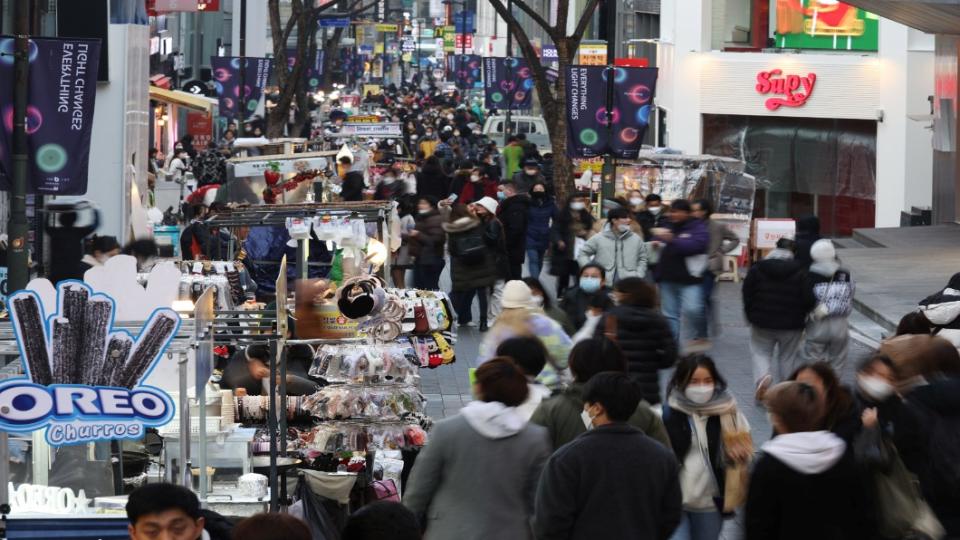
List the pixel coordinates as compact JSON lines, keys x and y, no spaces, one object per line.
{"x":358,"y":436}
{"x":352,"y":402}
{"x":374,"y":363}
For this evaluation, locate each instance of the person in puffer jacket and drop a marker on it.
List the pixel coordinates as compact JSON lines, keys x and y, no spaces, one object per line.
{"x":642,"y":332}
{"x":777,"y":296}
{"x":827,"y":338}
{"x":621,"y":252}
{"x":942,"y":309}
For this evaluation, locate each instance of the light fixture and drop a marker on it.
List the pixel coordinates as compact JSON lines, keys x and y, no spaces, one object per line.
{"x":182,"y":306}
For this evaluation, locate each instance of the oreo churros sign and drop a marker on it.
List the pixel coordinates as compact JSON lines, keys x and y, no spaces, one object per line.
{"x":84,"y":378}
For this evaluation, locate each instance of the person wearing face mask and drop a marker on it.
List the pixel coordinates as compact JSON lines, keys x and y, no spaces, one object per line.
{"x":428,"y":143}
{"x":827,"y":334}
{"x":573,"y":225}
{"x":427,"y":242}
{"x":708,"y":434}
{"x":389,"y":188}
{"x":620,"y":251}
{"x":642,"y":332}
{"x":473,"y":265}
{"x":652,"y":216}
{"x":563,"y":414}
{"x":576,"y":300}
{"x":512,"y":212}
{"x":470,"y":185}
{"x":587,"y":483}
{"x":540,"y":216}
{"x":490,"y":165}
{"x":540,"y":300}
{"x":530,"y":175}
{"x":179,"y":165}
{"x":99,"y":250}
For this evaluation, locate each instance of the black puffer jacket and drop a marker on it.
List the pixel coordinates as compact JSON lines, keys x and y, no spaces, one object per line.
{"x":646,"y":340}
{"x":778,"y":295}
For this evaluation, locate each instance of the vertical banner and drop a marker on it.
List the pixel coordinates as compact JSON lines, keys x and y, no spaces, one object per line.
{"x":587,"y":132}
{"x":632,"y":100}
{"x":63,"y":88}
{"x":226,"y":80}
{"x":312,"y":74}
{"x":508,"y":83}
{"x":465,"y":70}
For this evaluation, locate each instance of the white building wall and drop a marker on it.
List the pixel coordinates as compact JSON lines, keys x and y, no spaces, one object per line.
{"x":894,"y":83}
{"x":258,"y":27}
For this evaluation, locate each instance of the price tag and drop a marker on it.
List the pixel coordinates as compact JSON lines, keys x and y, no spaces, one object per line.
{"x":197,"y":267}
{"x":221,"y":267}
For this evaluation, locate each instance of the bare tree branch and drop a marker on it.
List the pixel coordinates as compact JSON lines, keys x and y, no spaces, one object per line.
{"x":584,"y":21}
{"x":527,"y":49}
{"x":537,"y":18}
{"x":362,"y":9}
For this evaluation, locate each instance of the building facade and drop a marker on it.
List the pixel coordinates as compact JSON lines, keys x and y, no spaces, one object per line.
{"x":831,"y":114}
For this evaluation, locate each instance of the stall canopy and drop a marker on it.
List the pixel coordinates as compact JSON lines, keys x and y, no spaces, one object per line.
{"x":183,"y":99}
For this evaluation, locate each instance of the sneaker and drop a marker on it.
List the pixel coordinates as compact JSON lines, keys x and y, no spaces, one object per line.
{"x":469,"y":324}
{"x":762,"y":388}
{"x":484,"y":327}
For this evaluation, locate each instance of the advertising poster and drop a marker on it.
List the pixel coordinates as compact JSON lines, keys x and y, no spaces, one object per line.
{"x":63,"y":88}
{"x":464,"y":69}
{"x":226,"y":80}
{"x":311,"y":75}
{"x":84,"y":377}
{"x":588,"y":132}
{"x":508,"y":83}
{"x":825,"y":24}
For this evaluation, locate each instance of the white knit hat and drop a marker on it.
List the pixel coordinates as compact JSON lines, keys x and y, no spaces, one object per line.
{"x":489,"y":204}
{"x":516,"y":294}
{"x":823,"y":251}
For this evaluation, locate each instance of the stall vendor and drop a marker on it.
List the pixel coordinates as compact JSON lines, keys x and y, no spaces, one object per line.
{"x":250,"y":369}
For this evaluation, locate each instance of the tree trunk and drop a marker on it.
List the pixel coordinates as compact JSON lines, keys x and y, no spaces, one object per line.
{"x":331,"y":47}
{"x":563,"y":180}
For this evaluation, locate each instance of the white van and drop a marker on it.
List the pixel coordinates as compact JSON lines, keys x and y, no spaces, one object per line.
{"x":534,"y":127}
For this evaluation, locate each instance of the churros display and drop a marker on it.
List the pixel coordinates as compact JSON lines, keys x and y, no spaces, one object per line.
{"x":78,"y":344}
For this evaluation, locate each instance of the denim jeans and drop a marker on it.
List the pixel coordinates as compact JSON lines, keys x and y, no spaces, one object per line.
{"x":709,"y":282}
{"x":463,"y":304}
{"x":682,"y":301}
{"x":535,"y":262}
{"x":699,"y":526}
{"x":427,"y":277}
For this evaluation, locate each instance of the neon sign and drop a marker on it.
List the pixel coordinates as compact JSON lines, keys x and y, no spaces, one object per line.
{"x":795,"y":89}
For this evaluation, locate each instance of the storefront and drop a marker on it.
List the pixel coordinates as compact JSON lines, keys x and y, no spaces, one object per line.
{"x":834,"y":125}
{"x":806,"y":128}
{"x":176,"y":113}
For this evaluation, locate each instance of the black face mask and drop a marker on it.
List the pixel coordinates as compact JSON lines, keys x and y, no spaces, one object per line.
{"x":538,"y":194}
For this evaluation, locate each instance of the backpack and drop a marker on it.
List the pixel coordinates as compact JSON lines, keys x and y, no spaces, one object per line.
{"x":470,"y":248}
{"x":207,"y":168}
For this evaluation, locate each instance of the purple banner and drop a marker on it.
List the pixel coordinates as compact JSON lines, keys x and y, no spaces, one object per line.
{"x":464,"y":69}
{"x":588,"y":134}
{"x":63,"y":89}
{"x":311,"y":75}
{"x":508,"y":83}
{"x":226,"y":80}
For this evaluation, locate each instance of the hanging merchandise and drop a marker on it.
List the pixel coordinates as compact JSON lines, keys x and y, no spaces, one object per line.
{"x":343,"y":402}
{"x":379,"y":363}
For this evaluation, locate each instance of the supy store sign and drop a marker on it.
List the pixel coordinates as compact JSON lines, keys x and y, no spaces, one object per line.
{"x":789,"y":90}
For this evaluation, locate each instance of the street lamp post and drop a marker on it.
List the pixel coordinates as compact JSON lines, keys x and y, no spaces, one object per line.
{"x":18,"y":228}
{"x":608,"y":178}
{"x":507,"y":128}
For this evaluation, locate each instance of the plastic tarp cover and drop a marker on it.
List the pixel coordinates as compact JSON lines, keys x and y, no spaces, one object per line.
{"x":802,"y":155}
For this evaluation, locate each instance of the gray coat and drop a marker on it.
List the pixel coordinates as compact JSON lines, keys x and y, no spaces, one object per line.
{"x":470,"y":487}
{"x":621,"y":255}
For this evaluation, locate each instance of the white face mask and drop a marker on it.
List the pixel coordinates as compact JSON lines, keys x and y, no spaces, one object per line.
{"x":587,"y":419}
{"x":700,"y":393}
{"x":875,"y":387}
{"x":577,"y":206}
{"x":537,"y":301}
{"x":655,"y":210}
{"x":388,"y":179}
{"x":424,"y":211}
{"x":636,"y":201}
{"x":474,"y":177}
{"x":623,"y":228}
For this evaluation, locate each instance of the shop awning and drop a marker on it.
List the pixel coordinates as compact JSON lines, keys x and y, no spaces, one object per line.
{"x":184,"y":99}
{"x":931,"y":16}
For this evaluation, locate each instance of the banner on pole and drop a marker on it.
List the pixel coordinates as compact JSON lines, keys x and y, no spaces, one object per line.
{"x":465,"y":70}
{"x":63,"y":89}
{"x":226,"y":80}
{"x":508,"y":83}
{"x":588,"y":134}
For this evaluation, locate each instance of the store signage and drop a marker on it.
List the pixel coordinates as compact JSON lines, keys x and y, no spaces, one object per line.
{"x":386,"y":28}
{"x":459,"y":43}
{"x":335,"y":22}
{"x":365,"y":119}
{"x":48,"y":500}
{"x":767,"y":231}
{"x":59,"y":118}
{"x":795,"y":89}
{"x":244,"y":169}
{"x":387,"y":129}
{"x":84,"y":377}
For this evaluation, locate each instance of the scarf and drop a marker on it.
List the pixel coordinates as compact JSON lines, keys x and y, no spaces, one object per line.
{"x":721,"y":403}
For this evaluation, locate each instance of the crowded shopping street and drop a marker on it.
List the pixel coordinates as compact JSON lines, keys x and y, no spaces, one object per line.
{"x":479,"y":269}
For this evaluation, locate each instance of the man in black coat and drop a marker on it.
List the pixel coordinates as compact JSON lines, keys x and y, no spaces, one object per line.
{"x":351,"y":186}
{"x":777,"y":296}
{"x":513,"y":213}
{"x":612,"y":481}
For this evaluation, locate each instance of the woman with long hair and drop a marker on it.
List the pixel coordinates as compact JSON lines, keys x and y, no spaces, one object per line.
{"x":840,"y":414}
{"x":708,"y":434}
{"x":574,"y":222}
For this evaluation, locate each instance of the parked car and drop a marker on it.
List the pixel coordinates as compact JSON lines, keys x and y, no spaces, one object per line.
{"x":534,"y":127}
